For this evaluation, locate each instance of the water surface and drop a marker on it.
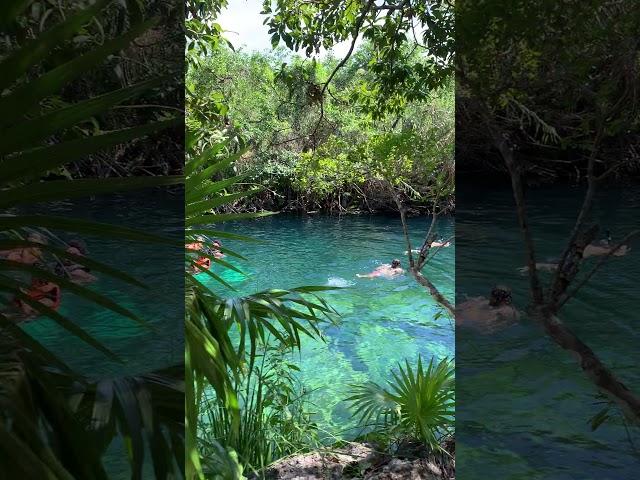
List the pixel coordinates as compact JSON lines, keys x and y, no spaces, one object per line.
{"x":523,"y":403}
{"x":383,"y":321}
{"x":161,"y":304}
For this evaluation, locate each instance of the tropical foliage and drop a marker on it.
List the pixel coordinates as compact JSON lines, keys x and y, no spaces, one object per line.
{"x":340,"y":160}
{"x":419,"y":404}
{"x":553,"y":115}
{"x":265,"y":132}
{"x":221,"y":371}
{"x":56,"y":423}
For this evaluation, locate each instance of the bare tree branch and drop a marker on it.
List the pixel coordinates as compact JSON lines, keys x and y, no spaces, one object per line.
{"x":596,"y":267}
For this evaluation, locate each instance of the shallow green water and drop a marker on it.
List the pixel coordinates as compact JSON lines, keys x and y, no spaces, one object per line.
{"x":161,"y":304}
{"x":523,"y":403}
{"x":383,"y":321}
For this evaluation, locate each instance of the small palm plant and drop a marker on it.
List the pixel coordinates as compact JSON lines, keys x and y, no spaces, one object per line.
{"x":419,"y":403}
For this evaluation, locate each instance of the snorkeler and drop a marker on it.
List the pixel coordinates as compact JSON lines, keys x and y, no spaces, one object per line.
{"x":488,"y":314}
{"x":76,"y":272}
{"x":202,"y":262}
{"x":215,"y":250}
{"x":597,"y":248}
{"x":27,"y":255}
{"x":388,"y":271}
{"x":44,"y":292}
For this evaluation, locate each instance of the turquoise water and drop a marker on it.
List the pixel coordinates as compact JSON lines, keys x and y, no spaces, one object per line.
{"x":523,"y":403}
{"x":161,"y":304}
{"x":383,"y":321}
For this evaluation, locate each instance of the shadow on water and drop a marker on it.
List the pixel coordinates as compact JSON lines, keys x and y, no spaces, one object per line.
{"x":527,"y":405}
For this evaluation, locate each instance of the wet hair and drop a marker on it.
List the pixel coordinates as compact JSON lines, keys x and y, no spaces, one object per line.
{"x":500,"y":296}
{"x":395,"y":263}
{"x":60,"y":270}
{"x":216,"y":243}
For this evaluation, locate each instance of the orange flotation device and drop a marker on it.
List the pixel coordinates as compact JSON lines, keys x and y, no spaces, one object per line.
{"x":203,"y":263}
{"x":194,"y":246}
{"x":54,"y":294}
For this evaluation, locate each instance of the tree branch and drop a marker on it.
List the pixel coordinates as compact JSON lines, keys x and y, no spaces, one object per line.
{"x":413,"y":268}
{"x":595,"y":268}
{"x":590,"y":364}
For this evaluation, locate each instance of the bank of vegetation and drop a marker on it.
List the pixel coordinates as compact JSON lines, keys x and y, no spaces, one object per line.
{"x":336,"y":158}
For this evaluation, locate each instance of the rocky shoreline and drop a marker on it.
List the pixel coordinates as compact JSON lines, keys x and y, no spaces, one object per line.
{"x":363,"y":461}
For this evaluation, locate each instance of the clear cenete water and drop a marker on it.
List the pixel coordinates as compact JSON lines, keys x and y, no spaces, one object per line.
{"x":523,"y":403}
{"x":384,"y":321}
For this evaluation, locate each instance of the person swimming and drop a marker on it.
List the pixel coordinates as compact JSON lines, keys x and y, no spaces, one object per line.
{"x":435,"y":244}
{"x":606,"y":241}
{"x":601,"y":247}
{"x":28,"y":255}
{"x":388,"y":270}
{"x":604,"y":247}
{"x":78,"y":273}
{"x":216,"y":249}
{"x":488,"y":314}
{"x":202,"y":262}
{"x":44,"y":292}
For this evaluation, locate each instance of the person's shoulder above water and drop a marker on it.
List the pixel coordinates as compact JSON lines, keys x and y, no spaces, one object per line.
{"x":388,"y":270}
{"x":488,"y":314}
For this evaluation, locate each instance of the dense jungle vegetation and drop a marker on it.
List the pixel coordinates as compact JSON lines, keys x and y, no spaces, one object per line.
{"x":559,"y":82}
{"x":339,"y":158}
{"x":85,"y":112}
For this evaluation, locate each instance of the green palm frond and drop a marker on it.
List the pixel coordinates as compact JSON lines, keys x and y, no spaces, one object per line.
{"x":43,"y":436}
{"x":214,"y":357}
{"x":419,"y":402}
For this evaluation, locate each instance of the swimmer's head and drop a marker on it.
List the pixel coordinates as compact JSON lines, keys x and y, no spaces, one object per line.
{"x":395,"y":263}
{"x":500,"y":296}
{"x":217,"y":243}
{"x":200,"y":238}
{"x":37,"y":238}
{"x":78,"y":244}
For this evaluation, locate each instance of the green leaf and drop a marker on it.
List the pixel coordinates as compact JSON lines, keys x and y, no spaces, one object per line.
{"x":82,"y":226}
{"x":207,"y":205}
{"x":34,"y":163}
{"x":224,"y":217}
{"x":65,"y":189}
{"x":29,"y":132}
{"x":78,"y":290}
{"x":61,"y":320}
{"x":10,"y":9}
{"x":23,"y":98}
{"x":78,"y":259}
{"x":19,"y":62}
